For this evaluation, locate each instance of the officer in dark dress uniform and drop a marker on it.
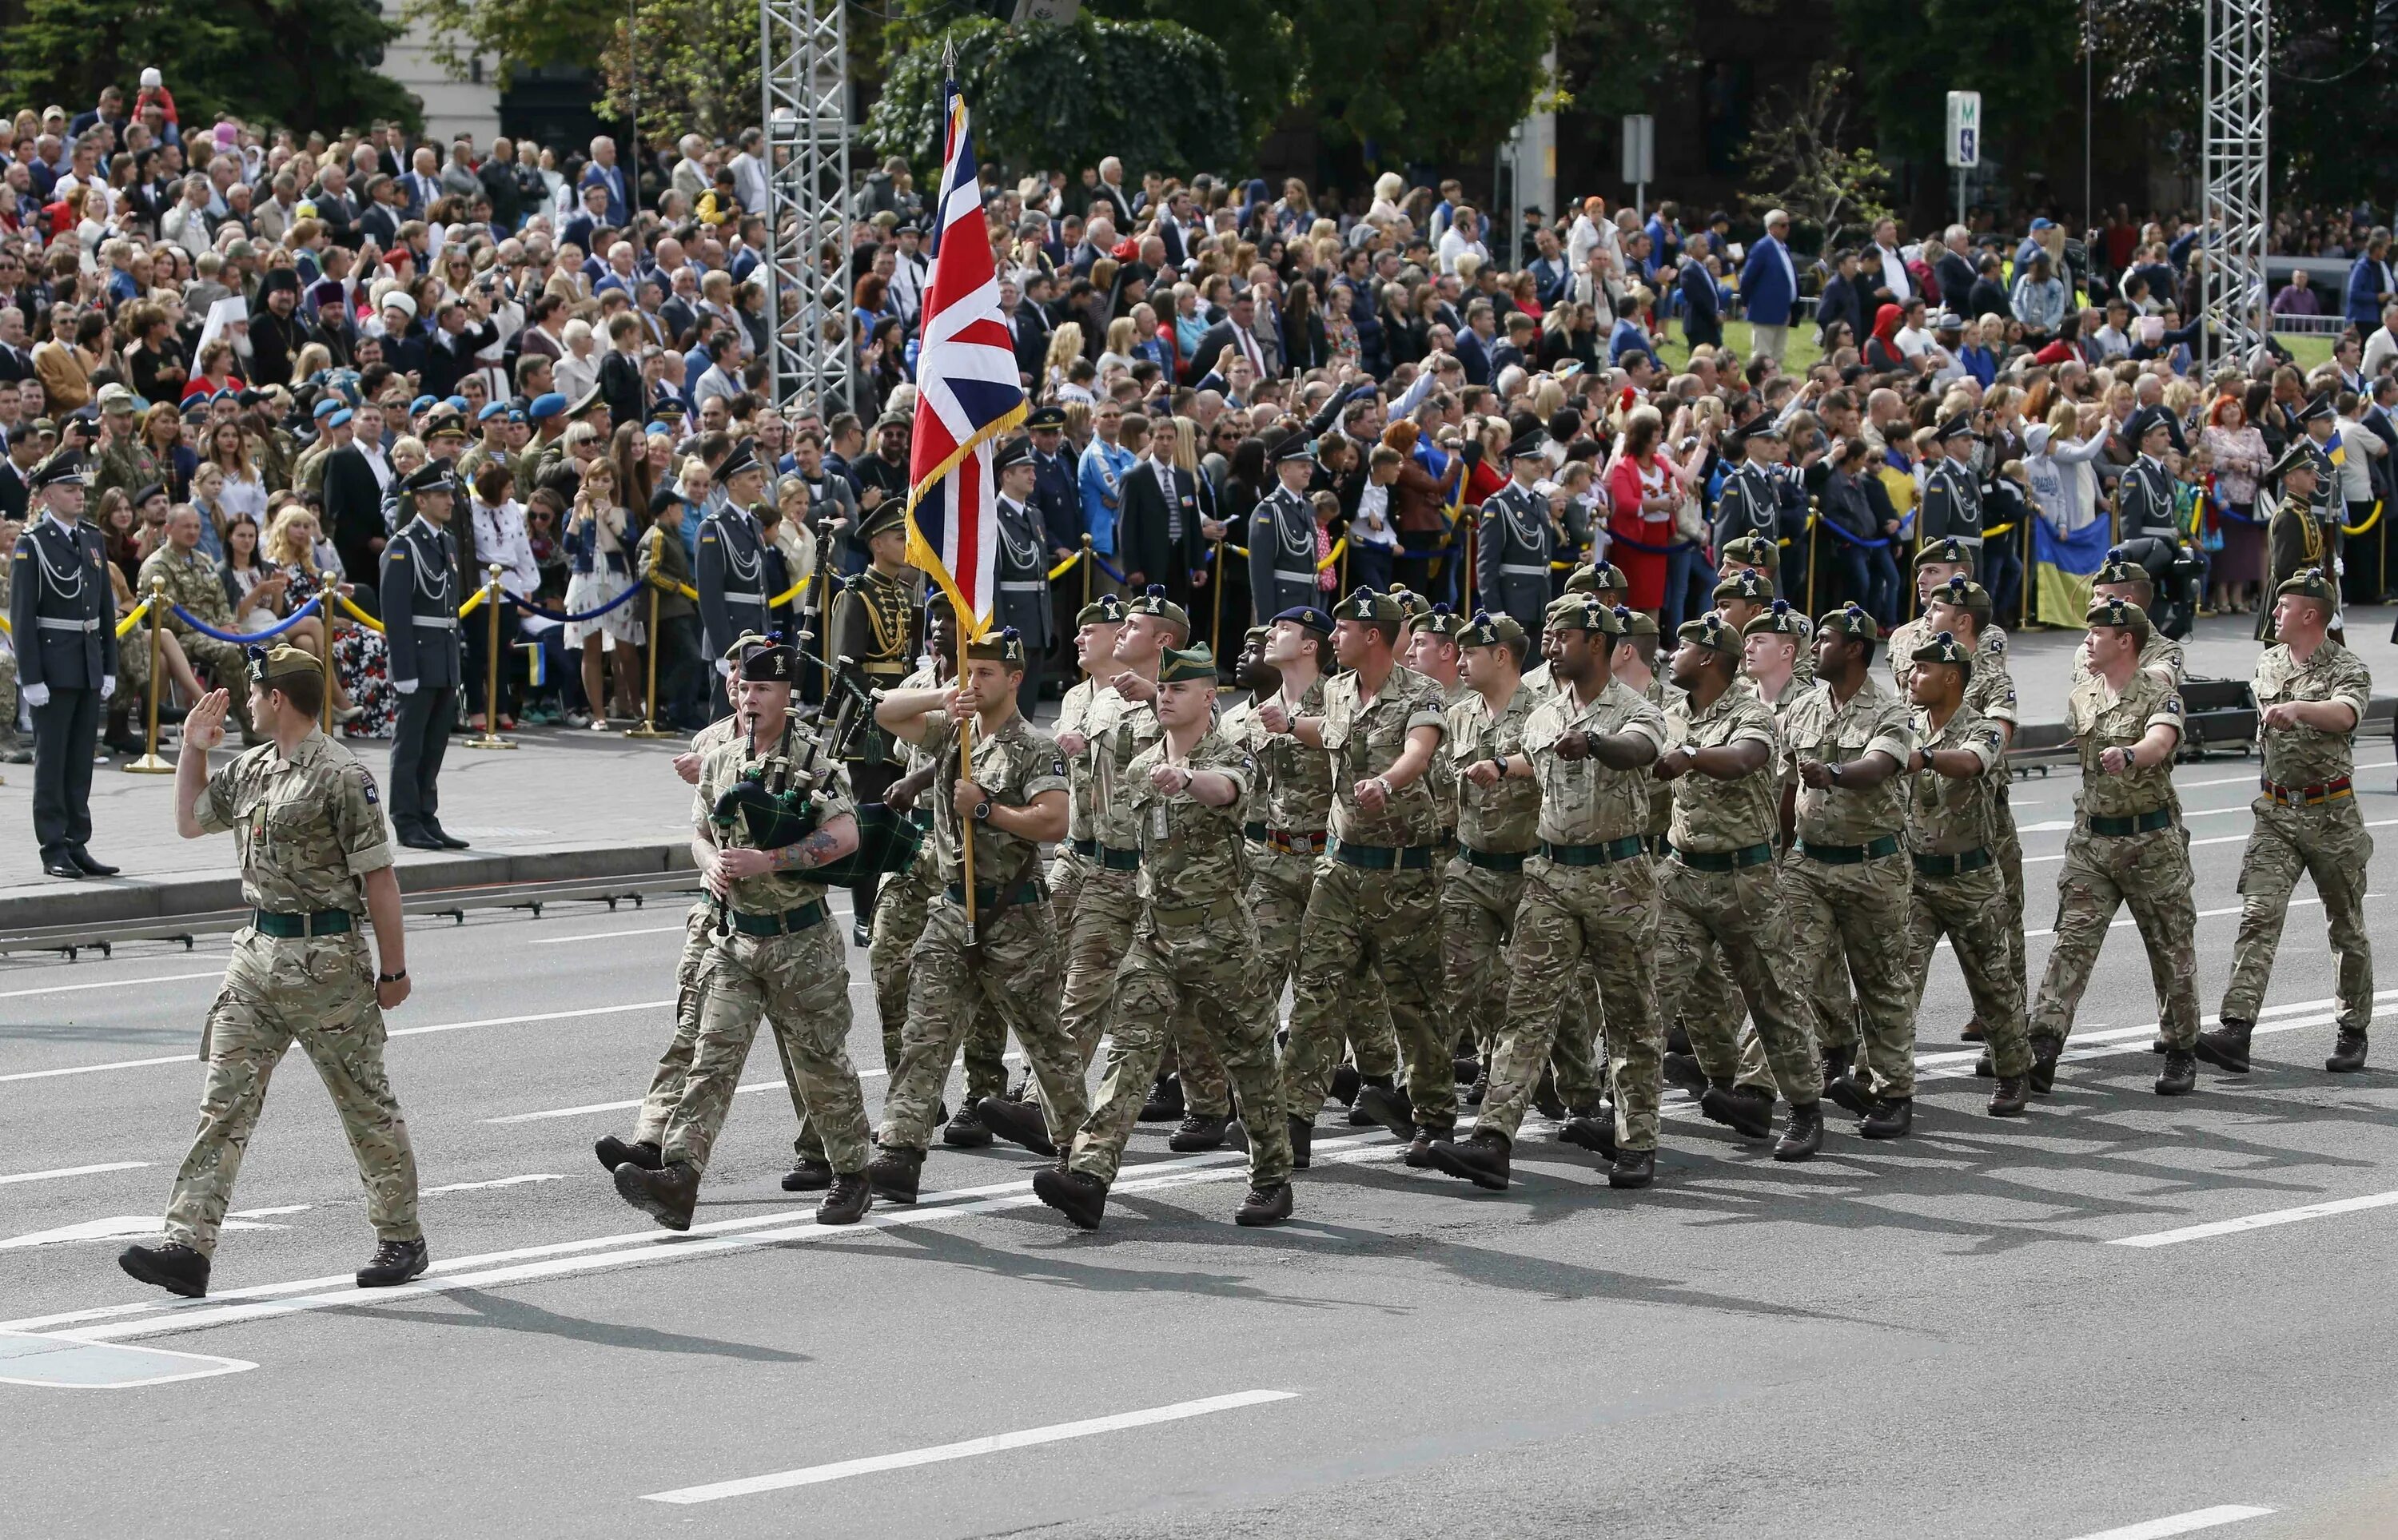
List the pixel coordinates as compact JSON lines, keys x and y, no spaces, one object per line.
{"x":732,"y":574}
{"x":1748,"y":503}
{"x":419,"y":589}
{"x":1282,"y":535}
{"x":875,"y":622}
{"x":1058,"y":503}
{"x":62,"y":617}
{"x":1021,"y":566}
{"x":1952,"y":494}
{"x":1511,"y":558}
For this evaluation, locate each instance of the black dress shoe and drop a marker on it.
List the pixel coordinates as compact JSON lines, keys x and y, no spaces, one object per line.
{"x":1017,"y":1122}
{"x":61,"y":864}
{"x":82,"y":858}
{"x":445,"y":840}
{"x":614,"y":1152}
{"x":1078,"y":1195}
{"x":394,"y":1263}
{"x":172,"y":1266}
{"x":420,"y":840}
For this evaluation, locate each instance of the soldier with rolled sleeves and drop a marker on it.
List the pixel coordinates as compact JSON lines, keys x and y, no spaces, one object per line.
{"x":2311,"y":693}
{"x":62,"y":624}
{"x":2127,"y":847}
{"x":1955,"y":888}
{"x":1936,"y":563}
{"x":1192,"y":954}
{"x":1282,"y":535}
{"x":1952,"y":494}
{"x":1962,"y":610}
{"x":1845,"y":885}
{"x":1097,"y":625}
{"x":1720,"y":894}
{"x":1517,"y":539}
{"x":420,"y":608}
{"x":315,"y":862}
{"x":1747,"y":594}
{"x":2119,"y":578}
{"x":1588,"y":907}
{"x":731,"y":571}
{"x":1020,"y":566}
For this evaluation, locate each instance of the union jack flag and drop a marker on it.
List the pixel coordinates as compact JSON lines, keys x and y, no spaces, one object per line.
{"x":967,"y":392}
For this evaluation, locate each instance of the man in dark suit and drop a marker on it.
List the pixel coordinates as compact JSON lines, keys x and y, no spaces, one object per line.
{"x":1954,"y":272}
{"x":1158,"y":539}
{"x":1234,"y":332}
{"x":1842,"y":300}
{"x":353,"y":504}
{"x":16,"y":486}
{"x":384,"y":214}
{"x":61,"y":615}
{"x":1701,"y":305}
{"x":1028,"y":327}
{"x":15,"y":359}
{"x":420,"y":590}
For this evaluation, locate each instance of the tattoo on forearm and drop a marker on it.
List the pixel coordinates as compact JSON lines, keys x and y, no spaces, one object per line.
{"x":815,"y":850}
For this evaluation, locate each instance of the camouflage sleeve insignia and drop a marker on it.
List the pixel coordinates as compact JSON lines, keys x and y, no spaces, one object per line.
{"x":2173,"y":704}
{"x":1998,"y":644}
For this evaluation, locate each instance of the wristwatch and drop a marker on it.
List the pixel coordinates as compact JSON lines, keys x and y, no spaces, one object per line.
{"x":1499,"y":763}
{"x":391,"y":978}
{"x":982,"y":810}
{"x":1834,"y":773}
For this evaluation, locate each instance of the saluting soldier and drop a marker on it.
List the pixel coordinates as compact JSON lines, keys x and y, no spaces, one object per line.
{"x":2127,"y":846}
{"x":62,"y":622}
{"x":874,"y":622}
{"x":1021,"y":565}
{"x":731,"y":571}
{"x":420,"y":591}
{"x":1517,"y":540}
{"x":2299,"y":535}
{"x":1282,"y":535}
{"x":1192,"y":955}
{"x":2311,"y":693}
{"x":315,"y":862}
{"x":1952,"y":494}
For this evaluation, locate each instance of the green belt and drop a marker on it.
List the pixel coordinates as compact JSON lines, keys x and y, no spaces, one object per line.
{"x":1723,"y":861}
{"x":1383,"y":857}
{"x":324,"y":922}
{"x":791,"y":922}
{"x":1850,"y":855}
{"x":1952,"y":866}
{"x":2117,"y":828}
{"x":1108,"y":856}
{"x":1256,"y":832}
{"x":1595,"y":855}
{"x":1489,"y":861}
{"x":988,"y":898}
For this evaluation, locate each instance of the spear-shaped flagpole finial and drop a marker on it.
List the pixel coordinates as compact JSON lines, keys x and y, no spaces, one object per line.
{"x":950,"y":58}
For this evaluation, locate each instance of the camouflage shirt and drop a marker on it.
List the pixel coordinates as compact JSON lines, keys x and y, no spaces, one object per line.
{"x":1235,"y":726}
{"x":1662,"y":693}
{"x":1991,"y":646}
{"x":1293,"y":793}
{"x":310,"y":827}
{"x":1505,"y":819}
{"x":1119,"y":729}
{"x":1192,"y":855}
{"x":1012,"y":766}
{"x":1713,"y":817}
{"x":721,"y":765}
{"x":1362,"y":739}
{"x":1074,"y":715}
{"x":1817,"y":727}
{"x":1949,"y":817}
{"x":191,"y":581}
{"x":125,"y":462}
{"x":1583,"y":802}
{"x":1442,"y":776}
{"x":2302,"y":756}
{"x":2102,"y":719}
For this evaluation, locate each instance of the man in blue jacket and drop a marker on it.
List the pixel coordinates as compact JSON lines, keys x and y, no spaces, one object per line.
{"x":1769,"y":288}
{"x":2369,"y":283}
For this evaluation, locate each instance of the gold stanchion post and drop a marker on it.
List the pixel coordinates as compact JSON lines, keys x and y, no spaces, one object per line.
{"x":1086,"y":568}
{"x":489,"y":738}
{"x":1216,"y":625}
{"x":648,"y":726}
{"x":1814,"y":524}
{"x":150,"y":763}
{"x":1465,"y":579}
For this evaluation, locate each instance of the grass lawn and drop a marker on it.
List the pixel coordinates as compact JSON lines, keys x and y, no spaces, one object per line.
{"x":1803,"y":353}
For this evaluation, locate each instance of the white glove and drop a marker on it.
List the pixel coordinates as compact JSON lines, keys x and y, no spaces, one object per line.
{"x":107,"y":686}
{"x":406,"y":687}
{"x":36,"y":695}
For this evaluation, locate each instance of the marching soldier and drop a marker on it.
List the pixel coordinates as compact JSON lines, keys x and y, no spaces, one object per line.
{"x":1743,"y":595}
{"x":2311,"y":698}
{"x":2127,"y":846}
{"x":731,"y":571}
{"x":62,"y":622}
{"x":1517,"y":538}
{"x":1589,"y":905}
{"x":1497,"y":827}
{"x":776,"y":955}
{"x":1771,"y":657}
{"x":873,"y":623}
{"x":1282,"y":535}
{"x":1952,"y":494}
{"x":1191,"y":956}
{"x":315,"y":862}
{"x":1021,"y":566}
{"x":2118,"y":579}
{"x":1096,"y":626}
{"x":1962,"y":610}
{"x":1936,"y":563}
{"x":1849,"y":743}
{"x":194,"y":587}
{"x":420,"y":606}
{"x":2300,"y":526}
{"x":1955,"y":891}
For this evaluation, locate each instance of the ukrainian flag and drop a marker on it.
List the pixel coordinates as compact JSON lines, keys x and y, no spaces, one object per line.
{"x":2064,"y":566}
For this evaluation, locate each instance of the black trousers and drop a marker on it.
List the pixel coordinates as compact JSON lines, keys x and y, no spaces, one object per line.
{"x":868,"y":782}
{"x":418,"y":741}
{"x":66,"y":735}
{"x":682,"y":675}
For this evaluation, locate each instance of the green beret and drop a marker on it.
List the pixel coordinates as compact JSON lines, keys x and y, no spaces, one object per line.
{"x":1004,"y":644}
{"x":1751,"y":587}
{"x":1107,"y":610}
{"x":2119,"y":612}
{"x":1364,"y":604}
{"x":1851,"y":619}
{"x":1599,"y":577}
{"x":2116,"y":569}
{"x":1752,"y":551}
{"x":1945,"y":649}
{"x":1154,"y":602}
{"x":1440,"y":621}
{"x":1193,"y":663}
{"x":266,"y":666}
{"x":1710,"y":632}
{"x":1951,"y":552}
{"x":1491,"y":628}
{"x":1780,"y":620}
{"x":1257,"y":634}
{"x":1964,"y":593}
{"x":1591,"y":613}
{"x":2307,"y":583}
{"x":1636,"y":622}
{"x":1413,"y":606}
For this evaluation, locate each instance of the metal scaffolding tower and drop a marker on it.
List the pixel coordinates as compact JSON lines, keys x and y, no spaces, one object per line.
{"x":804,"y":73}
{"x":2231,"y":167}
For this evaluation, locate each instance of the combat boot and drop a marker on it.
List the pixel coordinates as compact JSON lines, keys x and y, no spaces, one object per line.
{"x":1840,"y":1058}
{"x":966,"y":1131}
{"x":1419,"y":1150}
{"x":2227,"y":1046}
{"x":170,"y":1266}
{"x":1479,"y":1091}
{"x":1076,"y":1194}
{"x":2348,"y":1053}
{"x":893,"y":1172}
{"x":1359,"y":1118}
{"x":1892,"y":1117}
{"x":1345,"y":1082}
{"x":394,"y":1261}
{"x":1481,"y":1159}
{"x":1018,"y":1123}
{"x":615,"y":1152}
{"x":851,"y":1196}
{"x":1164,"y":1104}
{"x":1593,"y":1133}
{"x":1545,"y":1100}
{"x":1743,"y":1109}
{"x":1682,"y":1072}
{"x":1263,"y":1206}
{"x":1985,"y":1068}
{"x":666,"y":1195}
{"x":2044,"y":1052}
{"x":1197,"y":1135}
{"x":809,"y":1175}
{"x":2011,"y":1095}
{"x":1845,"y":1092}
{"x":1302,"y":1141}
{"x":1465,"y":1068}
{"x":1972,"y":1033}
{"x":2180,"y":1076}
{"x":1805,"y":1134}
{"x":1386,"y":1105}
{"x":1632,"y":1169}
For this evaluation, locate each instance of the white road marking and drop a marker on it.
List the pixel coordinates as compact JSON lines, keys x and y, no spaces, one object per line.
{"x":121,"y":1228}
{"x":119,"y":984}
{"x":503,"y":1182}
{"x":1013,"y":1056}
{"x":268,"y":1213}
{"x":95,"y":1069}
{"x":991,"y":1443}
{"x":2258,"y":1221}
{"x":605,"y":935}
{"x":57,"y":1363}
{"x":73,"y":1170}
{"x":2180,"y":1523}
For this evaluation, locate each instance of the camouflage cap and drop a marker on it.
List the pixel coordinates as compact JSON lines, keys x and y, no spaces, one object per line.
{"x":1950,"y":552}
{"x":1154,"y":602}
{"x":1710,"y":632}
{"x":1003,"y":646}
{"x":1945,"y":649}
{"x":1851,"y":619}
{"x":1589,"y":612}
{"x":2119,"y":612}
{"x":1107,"y":610}
{"x":268,"y":664}
{"x":1746,"y":586}
{"x":2307,"y":583}
{"x":1752,"y":551}
{"x":1364,"y":604}
{"x":1963,"y":592}
{"x":1491,"y":628}
{"x":1192,"y":662}
{"x":1779,"y":620}
{"x":1599,"y":577}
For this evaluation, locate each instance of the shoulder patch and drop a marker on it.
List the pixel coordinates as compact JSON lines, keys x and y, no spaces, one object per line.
{"x":2173,"y":704}
{"x":396,"y":553}
{"x":367,"y":788}
{"x":1998,"y":644}
{"x":1057,"y":765}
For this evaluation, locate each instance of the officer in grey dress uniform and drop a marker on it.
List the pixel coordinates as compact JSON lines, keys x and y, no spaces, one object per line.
{"x":1021,"y":566}
{"x":1282,"y":535}
{"x":1952,"y":495}
{"x":731,"y":573}
{"x":1750,"y":503}
{"x":420,"y":590}
{"x":62,"y":617}
{"x":1512,"y":561}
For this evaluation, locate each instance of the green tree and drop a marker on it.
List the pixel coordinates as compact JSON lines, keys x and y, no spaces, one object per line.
{"x":1803,"y":163}
{"x":697,"y":69}
{"x":1910,"y":54}
{"x":520,"y":34}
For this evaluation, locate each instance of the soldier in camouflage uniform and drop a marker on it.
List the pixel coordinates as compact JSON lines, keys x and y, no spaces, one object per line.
{"x":1955,"y":890}
{"x":2127,"y":846}
{"x":1192,"y":953}
{"x":316,"y":858}
{"x":1008,"y":961}
{"x":121,"y":460}
{"x":1496,"y":828}
{"x":2311,"y":698}
{"x":1935,"y":564}
{"x":1097,"y":625}
{"x":1848,"y":742}
{"x":1748,"y":594}
{"x":192,"y":584}
{"x":1962,"y":608}
{"x":1719,"y":889}
{"x":1589,"y":905}
{"x":2118,"y":579}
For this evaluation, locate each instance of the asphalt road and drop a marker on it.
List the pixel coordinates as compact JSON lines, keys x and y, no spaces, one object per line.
{"x":1945,"y":1336}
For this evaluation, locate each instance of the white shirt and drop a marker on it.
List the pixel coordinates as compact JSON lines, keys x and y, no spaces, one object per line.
{"x":499,"y":538}
{"x":1893,"y":276}
{"x":1453,"y":246}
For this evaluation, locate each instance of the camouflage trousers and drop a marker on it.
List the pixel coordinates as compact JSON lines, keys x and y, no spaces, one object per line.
{"x":319,"y":992}
{"x":1204,"y":972}
{"x":1369,"y":928}
{"x":2327,"y":842}
{"x":799,"y":984}
{"x":1096,"y":943}
{"x":1015,"y":976}
{"x":1845,"y":923}
{"x":2007,"y":845}
{"x":2150,"y":873}
{"x":899,"y":911}
{"x":1738,"y":916}
{"x":1477,"y":910}
{"x":1574,"y":924}
{"x":1067,"y":870}
{"x":1970,"y":908}
{"x":1280,"y":884}
{"x":674,"y":1065}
